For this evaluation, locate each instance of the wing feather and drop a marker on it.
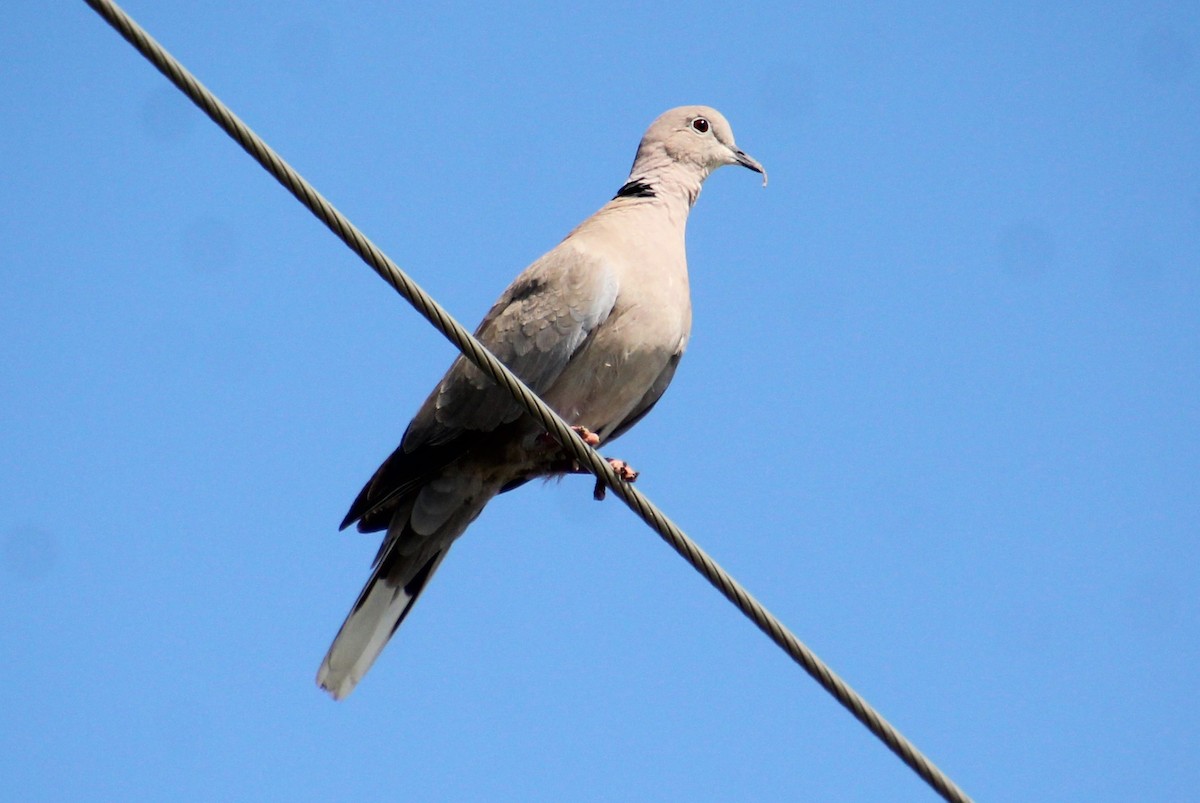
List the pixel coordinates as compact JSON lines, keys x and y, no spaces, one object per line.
{"x":535,"y":328}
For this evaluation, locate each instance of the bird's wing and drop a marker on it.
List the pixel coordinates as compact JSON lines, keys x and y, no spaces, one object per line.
{"x":539,"y":323}
{"x":535,"y":328}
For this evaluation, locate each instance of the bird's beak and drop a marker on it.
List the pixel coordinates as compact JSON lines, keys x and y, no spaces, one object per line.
{"x":746,"y":160}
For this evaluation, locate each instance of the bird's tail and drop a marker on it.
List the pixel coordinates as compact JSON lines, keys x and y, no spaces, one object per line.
{"x":418,"y":539}
{"x":381,"y":608}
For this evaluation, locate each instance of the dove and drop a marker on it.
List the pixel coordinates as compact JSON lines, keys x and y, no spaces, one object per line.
{"x":596,"y":327}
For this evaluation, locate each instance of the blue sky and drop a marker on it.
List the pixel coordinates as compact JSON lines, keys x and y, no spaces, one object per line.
{"x":938,"y":411}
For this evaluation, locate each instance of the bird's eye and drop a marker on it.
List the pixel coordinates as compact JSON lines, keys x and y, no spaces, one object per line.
{"x":700,"y":125}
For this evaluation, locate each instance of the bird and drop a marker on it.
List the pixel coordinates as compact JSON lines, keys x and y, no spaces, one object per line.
{"x":596,"y":327}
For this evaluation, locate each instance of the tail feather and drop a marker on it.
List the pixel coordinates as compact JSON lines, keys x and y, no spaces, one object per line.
{"x":379,"y":610}
{"x":424,"y":524}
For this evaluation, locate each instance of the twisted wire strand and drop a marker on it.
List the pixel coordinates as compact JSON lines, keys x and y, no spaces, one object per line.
{"x":570,"y":440}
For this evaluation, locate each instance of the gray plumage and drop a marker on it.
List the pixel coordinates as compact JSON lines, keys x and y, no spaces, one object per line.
{"x":596,"y":327}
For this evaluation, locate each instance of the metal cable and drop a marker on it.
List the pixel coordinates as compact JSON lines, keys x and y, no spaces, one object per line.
{"x":480,"y":356}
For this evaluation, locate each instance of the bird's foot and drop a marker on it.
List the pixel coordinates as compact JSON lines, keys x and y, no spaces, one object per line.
{"x":624,"y":471}
{"x":589,"y":437}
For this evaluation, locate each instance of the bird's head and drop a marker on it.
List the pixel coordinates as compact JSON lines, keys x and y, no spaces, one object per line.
{"x":696,"y":137}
